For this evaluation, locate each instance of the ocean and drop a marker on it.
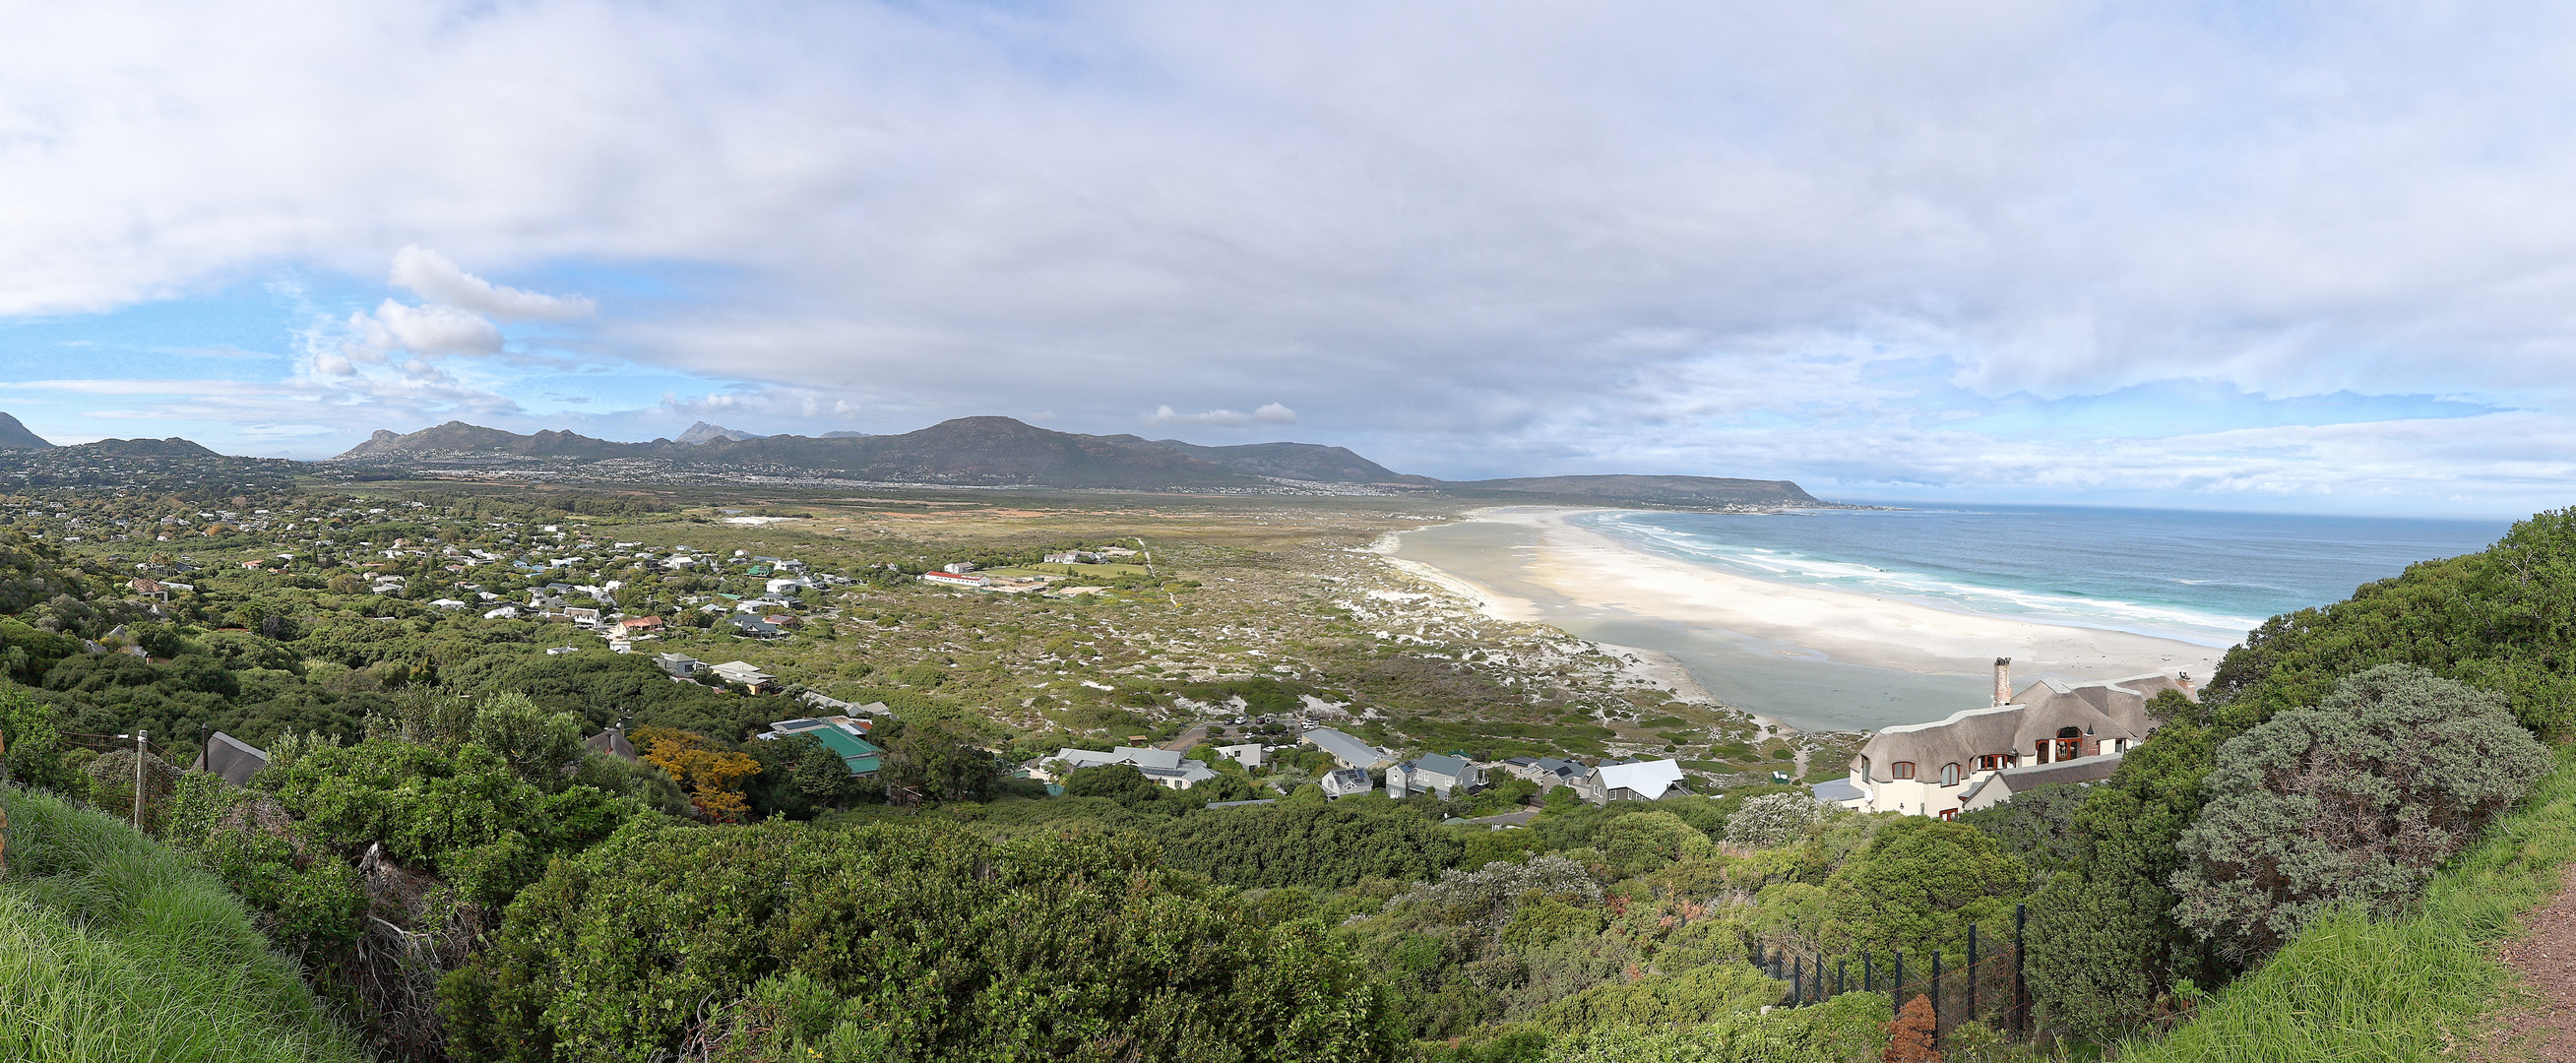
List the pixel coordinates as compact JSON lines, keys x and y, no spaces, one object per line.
{"x":2198,"y":577}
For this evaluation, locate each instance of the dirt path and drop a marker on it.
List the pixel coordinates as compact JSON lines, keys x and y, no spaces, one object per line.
{"x":2547,"y":963}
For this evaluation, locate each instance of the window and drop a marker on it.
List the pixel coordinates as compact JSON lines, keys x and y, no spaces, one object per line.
{"x":1994,"y":762}
{"x":1949,"y":775}
{"x":1903,"y":769}
{"x":1949,"y":813}
{"x":2041,"y":748}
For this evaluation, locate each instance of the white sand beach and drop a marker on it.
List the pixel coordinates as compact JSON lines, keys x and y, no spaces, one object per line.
{"x":1561,"y":569}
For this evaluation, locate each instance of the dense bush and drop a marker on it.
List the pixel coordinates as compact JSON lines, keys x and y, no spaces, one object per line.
{"x":900,"y":941}
{"x":1772,"y":819}
{"x":2354,"y":801}
{"x":1309,"y":843}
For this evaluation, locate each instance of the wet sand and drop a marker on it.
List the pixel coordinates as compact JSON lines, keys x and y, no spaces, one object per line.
{"x":1813,"y":658}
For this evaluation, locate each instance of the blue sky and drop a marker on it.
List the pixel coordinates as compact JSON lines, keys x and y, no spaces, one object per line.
{"x":2319,"y":260}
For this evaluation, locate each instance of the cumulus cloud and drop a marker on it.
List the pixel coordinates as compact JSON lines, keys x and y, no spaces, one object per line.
{"x":1269,"y":413}
{"x":431,"y":276}
{"x":1504,"y":237}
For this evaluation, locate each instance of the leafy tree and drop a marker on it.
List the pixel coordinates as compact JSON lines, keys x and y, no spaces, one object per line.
{"x":1118,"y":782}
{"x":541,"y":747}
{"x":32,"y":752}
{"x":711,"y":774}
{"x":901,"y":941}
{"x":1919,"y":883}
{"x":940,"y":761}
{"x":2354,"y":801}
{"x":2038,"y":824}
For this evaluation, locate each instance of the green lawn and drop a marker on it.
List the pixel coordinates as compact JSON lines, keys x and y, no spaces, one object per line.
{"x":115,"y":950}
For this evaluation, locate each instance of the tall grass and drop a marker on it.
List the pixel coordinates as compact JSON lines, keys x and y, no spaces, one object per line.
{"x":2406,"y":988}
{"x":114,"y":949}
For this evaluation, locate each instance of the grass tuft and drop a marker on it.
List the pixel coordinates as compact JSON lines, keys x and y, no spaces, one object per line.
{"x":2409,"y":988}
{"x":114,"y":949}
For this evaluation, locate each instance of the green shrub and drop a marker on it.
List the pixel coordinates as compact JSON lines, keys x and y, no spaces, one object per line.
{"x":1847,"y":1029}
{"x":900,"y":941}
{"x":2354,"y":802}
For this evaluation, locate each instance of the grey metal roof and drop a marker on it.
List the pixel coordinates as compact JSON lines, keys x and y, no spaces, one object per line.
{"x":1836,"y":791}
{"x":1441,"y":764}
{"x":231,"y":759}
{"x":1344,"y":748}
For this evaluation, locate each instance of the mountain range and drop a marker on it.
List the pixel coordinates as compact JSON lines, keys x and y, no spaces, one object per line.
{"x":1003,"y":452}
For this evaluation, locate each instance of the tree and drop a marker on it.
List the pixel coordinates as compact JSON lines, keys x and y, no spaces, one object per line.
{"x":1118,"y":782}
{"x":2038,"y":824}
{"x":2354,"y":801}
{"x":538,"y":745}
{"x":713,"y":776}
{"x":32,"y":752}
{"x":1918,"y":884}
{"x":940,"y":761}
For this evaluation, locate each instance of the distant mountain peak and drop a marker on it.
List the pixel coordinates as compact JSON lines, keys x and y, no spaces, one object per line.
{"x":15,"y":436}
{"x":703,"y":432}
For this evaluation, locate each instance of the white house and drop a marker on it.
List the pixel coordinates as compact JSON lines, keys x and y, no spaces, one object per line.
{"x":679,"y":664}
{"x":1248,"y":754}
{"x":2053,"y":731}
{"x":1166,"y":767}
{"x":1651,"y":780}
{"x":745,"y":673}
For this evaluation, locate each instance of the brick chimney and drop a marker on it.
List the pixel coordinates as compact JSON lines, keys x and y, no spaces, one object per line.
{"x":2003,"y":680}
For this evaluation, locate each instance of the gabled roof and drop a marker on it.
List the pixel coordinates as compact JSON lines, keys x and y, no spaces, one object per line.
{"x":1649,"y":778}
{"x":1348,"y":750}
{"x":1440,"y":764}
{"x":1140,"y":756}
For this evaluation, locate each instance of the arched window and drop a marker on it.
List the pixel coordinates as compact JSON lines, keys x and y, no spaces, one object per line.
{"x":1903,"y":769}
{"x":1949,"y":775}
{"x":2070,"y":743}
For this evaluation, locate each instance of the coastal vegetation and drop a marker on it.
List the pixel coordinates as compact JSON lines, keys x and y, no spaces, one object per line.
{"x":442,"y":860}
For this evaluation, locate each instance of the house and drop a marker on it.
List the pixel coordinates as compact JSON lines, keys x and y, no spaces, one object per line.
{"x":1549,"y":772}
{"x":1975,"y":758}
{"x":1343,"y":782}
{"x":744,"y":673}
{"x":841,"y":735}
{"x":950,"y":579}
{"x":1651,"y":780}
{"x":958,"y":568}
{"x":747,"y":624}
{"x":1165,"y":767}
{"x":1248,"y":754}
{"x":230,"y":759}
{"x":620,"y":644}
{"x":1435,"y":773}
{"x":818,"y":700}
{"x":1351,"y":752}
{"x":611,"y":742}
{"x":148,"y":588}
{"x":679,"y":664}
{"x":449,"y":604}
{"x":507,"y":612}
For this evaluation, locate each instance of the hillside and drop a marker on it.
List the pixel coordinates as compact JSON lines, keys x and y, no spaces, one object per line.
{"x":1664,"y":490}
{"x":15,"y":436}
{"x":152,"y":464}
{"x":113,"y":948}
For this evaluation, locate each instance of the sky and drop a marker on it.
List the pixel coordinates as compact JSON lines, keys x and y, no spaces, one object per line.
{"x":2297,"y":257}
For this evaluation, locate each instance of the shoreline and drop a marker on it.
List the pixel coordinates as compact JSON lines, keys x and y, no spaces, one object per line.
{"x":1846,"y":656}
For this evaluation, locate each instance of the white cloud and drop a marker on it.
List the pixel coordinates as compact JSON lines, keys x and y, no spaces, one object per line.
{"x":1459,"y":234}
{"x":1271,"y":413}
{"x":431,"y":276}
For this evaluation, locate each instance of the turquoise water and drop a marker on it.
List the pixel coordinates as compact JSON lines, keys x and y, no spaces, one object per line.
{"x":2204,"y":578}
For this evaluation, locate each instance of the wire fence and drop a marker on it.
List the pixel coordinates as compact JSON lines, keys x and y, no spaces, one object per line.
{"x":1980,"y":982}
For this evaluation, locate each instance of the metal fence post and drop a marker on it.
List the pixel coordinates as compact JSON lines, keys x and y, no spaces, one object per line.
{"x":1896,"y":989}
{"x":141,"y":750}
{"x":2021,"y":987}
{"x":1840,"y":966}
{"x":1868,"y":974}
{"x":1936,"y":994}
{"x":1798,"y":980}
{"x":1820,"y":978}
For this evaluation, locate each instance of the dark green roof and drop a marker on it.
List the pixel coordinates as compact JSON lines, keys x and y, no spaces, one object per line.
{"x":861,"y":754}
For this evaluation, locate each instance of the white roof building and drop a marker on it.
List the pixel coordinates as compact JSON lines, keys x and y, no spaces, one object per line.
{"x":1166,"y":767}
{"x":1651,"y":780}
